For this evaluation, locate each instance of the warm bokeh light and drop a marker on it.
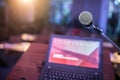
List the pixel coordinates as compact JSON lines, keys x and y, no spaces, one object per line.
{"x":26,"y":1}
{"x":28,"y":37}
{"x":21,"y":11}
{"x":1,"y":46}
{"x":20,"y":47}
{"x":27,"y":13}
{"x":115,"y":57}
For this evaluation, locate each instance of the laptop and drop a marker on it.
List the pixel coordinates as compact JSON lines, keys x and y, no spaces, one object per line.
{"x":73,"y":58}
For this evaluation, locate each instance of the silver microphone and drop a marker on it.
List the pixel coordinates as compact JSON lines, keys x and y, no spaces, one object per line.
{"x":86,"y":19}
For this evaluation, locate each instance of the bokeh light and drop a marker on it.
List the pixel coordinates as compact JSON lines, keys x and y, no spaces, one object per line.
{"x":26,"y":1}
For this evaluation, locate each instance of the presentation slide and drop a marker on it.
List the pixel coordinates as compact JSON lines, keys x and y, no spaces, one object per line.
{"x":75,"y":52}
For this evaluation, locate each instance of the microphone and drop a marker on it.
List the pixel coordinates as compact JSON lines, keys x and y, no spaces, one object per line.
{"x":86,"y":19}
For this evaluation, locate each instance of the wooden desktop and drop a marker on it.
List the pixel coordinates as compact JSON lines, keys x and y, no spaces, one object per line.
{"x":27,"y":66}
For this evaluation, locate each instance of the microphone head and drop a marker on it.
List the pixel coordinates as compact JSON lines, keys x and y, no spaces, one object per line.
{"x":86,"y":18}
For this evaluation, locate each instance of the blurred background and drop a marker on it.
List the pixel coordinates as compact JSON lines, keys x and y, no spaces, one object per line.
{"x":56,"y":16}
{"x":35,"y":20}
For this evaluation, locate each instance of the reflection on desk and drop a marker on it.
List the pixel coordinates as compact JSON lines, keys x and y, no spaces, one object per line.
{"x":27,"y":68}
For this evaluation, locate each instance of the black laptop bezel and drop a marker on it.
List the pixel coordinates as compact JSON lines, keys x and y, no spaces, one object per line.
{"x":70,"y":67}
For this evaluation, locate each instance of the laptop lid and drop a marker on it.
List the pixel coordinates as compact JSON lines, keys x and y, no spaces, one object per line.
{"x":75,"y":54}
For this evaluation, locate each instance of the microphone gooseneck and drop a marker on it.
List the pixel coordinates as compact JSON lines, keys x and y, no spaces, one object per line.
{"x":86,"y":19}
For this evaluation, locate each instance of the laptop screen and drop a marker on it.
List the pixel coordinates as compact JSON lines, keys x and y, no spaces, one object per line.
{"x":75,"y":52}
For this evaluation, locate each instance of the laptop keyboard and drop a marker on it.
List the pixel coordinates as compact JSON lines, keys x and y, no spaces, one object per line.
{"x":63,"y":75}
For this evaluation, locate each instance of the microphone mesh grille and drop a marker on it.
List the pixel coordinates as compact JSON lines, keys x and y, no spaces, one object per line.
{"x":85,"y":18}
